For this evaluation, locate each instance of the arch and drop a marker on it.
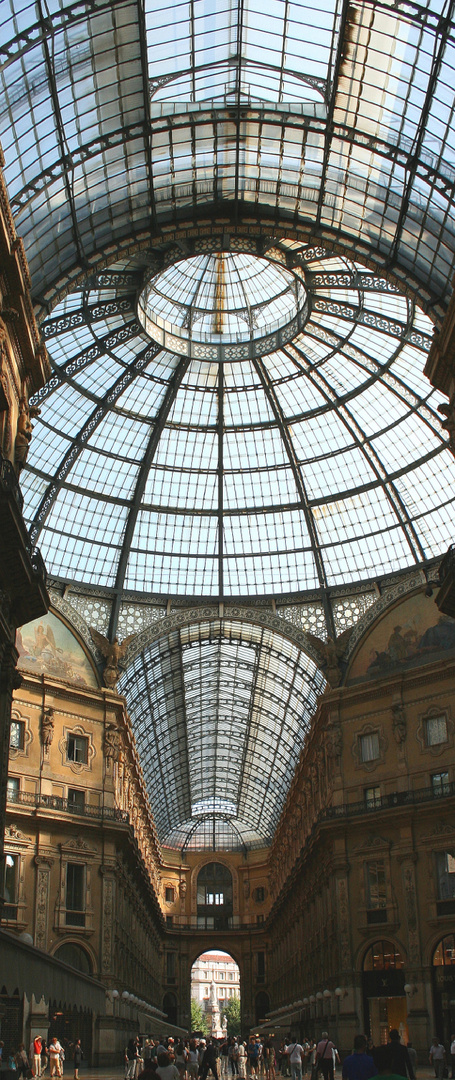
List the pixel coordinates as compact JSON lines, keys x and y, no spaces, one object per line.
{"x":75,"y":955}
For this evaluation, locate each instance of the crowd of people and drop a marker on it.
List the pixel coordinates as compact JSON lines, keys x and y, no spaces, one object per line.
{"x":264,"y":1059}
{"x":41,"y":1056}
{"x":228,"y":1058}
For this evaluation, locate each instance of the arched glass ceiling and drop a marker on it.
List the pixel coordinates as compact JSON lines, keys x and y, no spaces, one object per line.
{"x":220,"y":711}
{"x":318,"y":465}
{"x":119,"y":119}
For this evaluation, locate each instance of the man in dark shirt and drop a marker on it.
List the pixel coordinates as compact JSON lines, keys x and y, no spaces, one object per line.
{"x":359,"y":1065}
{"x":399,"y":1056}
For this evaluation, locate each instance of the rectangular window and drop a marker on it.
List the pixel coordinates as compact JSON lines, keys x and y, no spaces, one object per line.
{"x":260,"y":894}
{"x":260,"y":966}
{"x":170,"y":966}
{"x":77,"y":749}
{"x":436,"y":730}
{"x":17,"y":735}
{"x":169,"y":920}
{"x":12,"y":788}
{"x":76,"y":800}
{"x":440,"y":783}
{"x":75,"y":894}
{"x":376,"y":890}
{"x":372,"y":796}
{"x":11,"y":886}
{"x":369,"y":746}
{"x":169,"y":895}
{"x":445,"y":862}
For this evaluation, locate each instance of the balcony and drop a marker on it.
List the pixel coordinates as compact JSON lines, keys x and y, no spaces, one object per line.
{"x":56,"y":802}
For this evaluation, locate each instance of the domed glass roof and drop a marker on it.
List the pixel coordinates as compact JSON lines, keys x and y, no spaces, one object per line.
{"x":220,"y":299}
{"x":316,"y":465}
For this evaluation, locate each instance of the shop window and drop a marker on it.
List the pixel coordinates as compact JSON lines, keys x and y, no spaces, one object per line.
{"x":369,"y":747}
{"x":445,"y":873}
{"x":440,"y":783}
{"x":17,"y":735}
{"x":13,"y":788}
{"x":372,"y":797}
{"x":169,"y":894}
{"x":435,"y":730}
{"x":77,"y":749}
{"x":11,"y":886}
{"x":76,"y":800}
{"x":376,"y":892}
{"x":75,"y":894}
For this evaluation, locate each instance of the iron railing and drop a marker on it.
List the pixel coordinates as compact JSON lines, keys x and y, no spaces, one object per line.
{"x":56,"y":802}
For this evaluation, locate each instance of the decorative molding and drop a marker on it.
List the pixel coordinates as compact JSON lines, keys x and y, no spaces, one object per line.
{"x":440,"y":748}
{"x":28,"y":734}
{"x":77,"y":766}
{"x":369,"y":729}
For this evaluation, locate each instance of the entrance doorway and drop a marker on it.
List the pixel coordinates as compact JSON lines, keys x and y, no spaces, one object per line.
{"x":215,"y":995}
{"x":385,"y":1005}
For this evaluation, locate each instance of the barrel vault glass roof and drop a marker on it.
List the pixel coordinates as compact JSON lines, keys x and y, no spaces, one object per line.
{"x":143,"y":140}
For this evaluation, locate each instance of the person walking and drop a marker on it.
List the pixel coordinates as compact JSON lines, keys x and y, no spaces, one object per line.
{"x":359,"y":1065}
{"x":324,"y":1055}
{"x":399,"y":1056}
{"x":35,"y":1054}
{"x":22,"y":1062}
{"x":77,"y":1058}
{"x":452,"y":1056}
{"x":55,"y":1049}
{"x":295,"y":1054}
{"x":437,"y":1057}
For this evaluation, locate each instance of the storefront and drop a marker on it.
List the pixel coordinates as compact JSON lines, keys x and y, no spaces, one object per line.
{"x":384,"y":997}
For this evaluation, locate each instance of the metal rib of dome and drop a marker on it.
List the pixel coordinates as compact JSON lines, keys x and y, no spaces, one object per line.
{"x":318,"y":465}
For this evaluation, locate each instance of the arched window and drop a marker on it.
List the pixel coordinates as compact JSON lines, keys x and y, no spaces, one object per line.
{"x":444,"y":953}
{"x":75,"y":955}
{"x":214,"y":897}
{"x":381,"y":956}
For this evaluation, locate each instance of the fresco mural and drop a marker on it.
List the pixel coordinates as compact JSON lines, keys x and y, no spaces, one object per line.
{"x":412,"y":633}
{"x":48,"y":646}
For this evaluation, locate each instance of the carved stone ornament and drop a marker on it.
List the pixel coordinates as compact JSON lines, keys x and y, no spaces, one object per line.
{"x":112,"y":742}
{"x":439,"y":748}
{"x":47,"y":729}
{"x":369,"y":729}
{"x":77,"y":766}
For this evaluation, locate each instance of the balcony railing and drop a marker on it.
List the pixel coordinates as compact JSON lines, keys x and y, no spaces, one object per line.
{"x":56,"y":802}
{"x":387,"y":802}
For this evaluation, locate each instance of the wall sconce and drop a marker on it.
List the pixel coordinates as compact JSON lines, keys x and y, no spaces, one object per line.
{"x":115,"y":994}
{"x":319,"y":995}
{"x":306,"y":1001}
{"x":409,"y":989}
{"x":312,"y":999}
{"x":326,"y":994}
{"x":340,"y":992}
{"x":125,"y":996}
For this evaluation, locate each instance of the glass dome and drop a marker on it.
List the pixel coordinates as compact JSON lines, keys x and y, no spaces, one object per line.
{"x":320,"y":464}
{"x":201,"y":305}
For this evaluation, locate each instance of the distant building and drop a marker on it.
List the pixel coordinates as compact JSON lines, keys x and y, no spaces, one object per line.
{"x":218,"y":969}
